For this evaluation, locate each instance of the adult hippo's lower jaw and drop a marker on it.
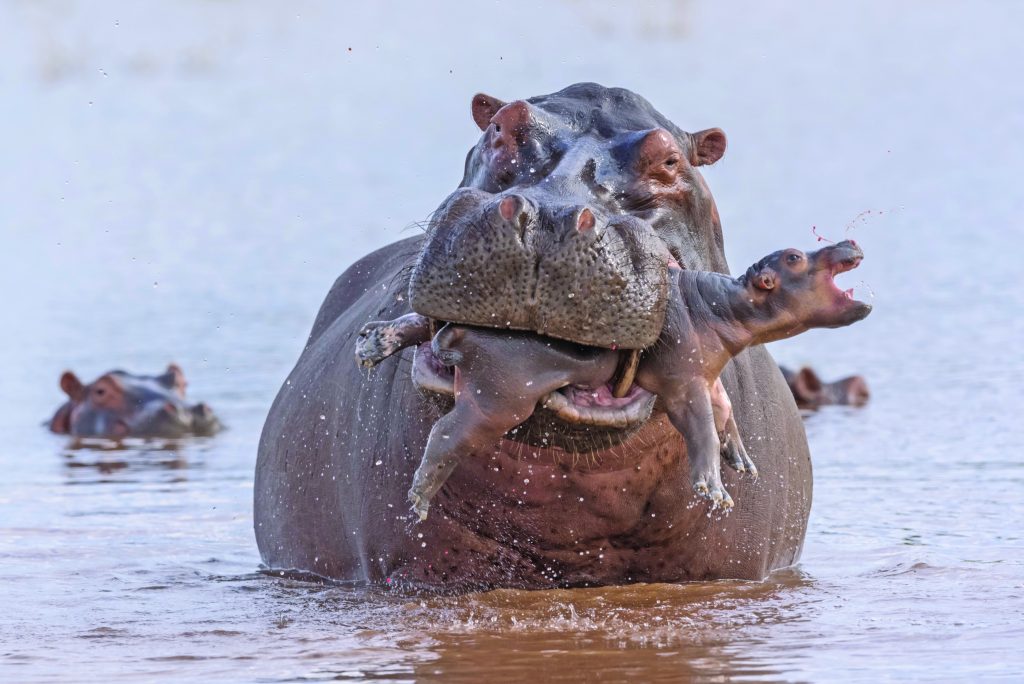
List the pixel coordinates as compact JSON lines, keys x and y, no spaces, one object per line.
{"x":530,"y":262}
{"x":583,"y":406}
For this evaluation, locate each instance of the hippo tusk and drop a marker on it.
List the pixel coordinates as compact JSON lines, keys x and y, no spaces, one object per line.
{"x":626,"y":374}
{"x":433,"y":327}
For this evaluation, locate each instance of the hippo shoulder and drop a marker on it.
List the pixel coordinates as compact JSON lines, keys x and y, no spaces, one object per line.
{"x":369,"y":272}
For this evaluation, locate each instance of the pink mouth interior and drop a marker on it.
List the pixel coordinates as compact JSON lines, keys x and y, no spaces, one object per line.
{"x":838,"y":268}
{"x":600,"y":396}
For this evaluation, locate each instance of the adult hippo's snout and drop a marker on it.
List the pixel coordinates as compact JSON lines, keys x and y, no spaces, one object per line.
{"x":529,"y":262}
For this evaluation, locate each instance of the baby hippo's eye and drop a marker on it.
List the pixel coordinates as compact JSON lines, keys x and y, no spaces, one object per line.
{"x":793,"y":258}
{"x":99,"y":391}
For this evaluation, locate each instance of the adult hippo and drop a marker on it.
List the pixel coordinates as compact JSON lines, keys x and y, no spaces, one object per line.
{"x":119,"y":405}
{"x":571,"y":207}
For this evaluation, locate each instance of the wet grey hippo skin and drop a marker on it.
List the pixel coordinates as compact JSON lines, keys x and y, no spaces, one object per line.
{"x":500,"y":376}
{"x":119,"y":404}
{"x":587,"y":192}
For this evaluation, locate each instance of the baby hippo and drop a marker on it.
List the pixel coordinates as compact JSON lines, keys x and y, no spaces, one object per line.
{"x":711,"y":318}
{"x":119,"y":404}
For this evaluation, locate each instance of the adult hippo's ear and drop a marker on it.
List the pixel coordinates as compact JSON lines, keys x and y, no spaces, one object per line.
{"x":485,"y":107}
{"x":72,"y":386}
{"x":707,"y":146}
{"x":174,"y":379}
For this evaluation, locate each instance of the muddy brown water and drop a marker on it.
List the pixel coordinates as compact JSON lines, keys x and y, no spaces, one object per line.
{"x":184,"y":183}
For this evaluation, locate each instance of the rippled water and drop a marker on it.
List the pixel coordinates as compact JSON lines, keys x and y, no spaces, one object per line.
{"x":185,"y":182}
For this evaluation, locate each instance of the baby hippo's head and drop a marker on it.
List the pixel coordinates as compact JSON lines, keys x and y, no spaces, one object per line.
{"x":799,"y":292}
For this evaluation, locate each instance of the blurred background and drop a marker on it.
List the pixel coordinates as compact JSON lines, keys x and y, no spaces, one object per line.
{"x":183,"y":182}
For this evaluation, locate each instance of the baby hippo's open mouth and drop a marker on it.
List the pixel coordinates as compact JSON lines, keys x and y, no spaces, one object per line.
{"x":844,"y":256}
{"x":573,"y":403}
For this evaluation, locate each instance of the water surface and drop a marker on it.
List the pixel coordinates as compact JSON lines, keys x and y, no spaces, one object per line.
{"x":184,"y":183}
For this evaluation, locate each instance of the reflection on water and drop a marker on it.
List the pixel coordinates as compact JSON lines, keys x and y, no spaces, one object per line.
{"x":87,"y":459}
{"x":185,"y":183}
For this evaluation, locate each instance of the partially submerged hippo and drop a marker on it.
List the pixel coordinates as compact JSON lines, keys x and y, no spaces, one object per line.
{"x":499,"y":377}
{"x":570,"y":206}
{"x":118,"y":405}
{"x":811,"y":392}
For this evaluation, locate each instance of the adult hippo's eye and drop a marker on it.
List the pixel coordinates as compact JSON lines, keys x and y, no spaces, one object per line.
{"x":671,"y":161}
{"x":793,"y":258}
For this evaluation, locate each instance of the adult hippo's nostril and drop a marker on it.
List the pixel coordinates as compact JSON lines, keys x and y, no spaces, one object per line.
{"x":515,"y":210}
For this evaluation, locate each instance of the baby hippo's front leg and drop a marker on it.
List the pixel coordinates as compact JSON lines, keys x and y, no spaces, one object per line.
{"x":380,"y":339}
{"x":692,"y":415}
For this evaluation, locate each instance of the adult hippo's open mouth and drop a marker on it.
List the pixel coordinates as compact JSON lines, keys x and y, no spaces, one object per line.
{"x":571,"y":208}
{"x":575,"y":404}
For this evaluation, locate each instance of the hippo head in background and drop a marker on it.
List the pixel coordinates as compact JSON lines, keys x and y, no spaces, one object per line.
{"x":118,"y":405}
{"x":811,"y":392}
{"x":570,"y":209}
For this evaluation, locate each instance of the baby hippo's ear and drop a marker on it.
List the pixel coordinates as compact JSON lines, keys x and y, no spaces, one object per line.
{"x":765,"y":279}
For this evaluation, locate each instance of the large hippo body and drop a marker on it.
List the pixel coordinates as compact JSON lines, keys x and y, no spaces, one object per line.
{"x":553,"y":504}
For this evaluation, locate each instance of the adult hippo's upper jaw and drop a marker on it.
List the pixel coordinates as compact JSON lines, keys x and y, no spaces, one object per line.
{"x":528,"y":262}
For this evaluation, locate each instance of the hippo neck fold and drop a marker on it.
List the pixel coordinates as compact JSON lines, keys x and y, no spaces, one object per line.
{"x":722,"y":306}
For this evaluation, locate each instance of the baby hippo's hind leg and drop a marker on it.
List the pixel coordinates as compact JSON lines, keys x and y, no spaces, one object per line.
{"x":380,"y":339}
{"x":733,"y":451}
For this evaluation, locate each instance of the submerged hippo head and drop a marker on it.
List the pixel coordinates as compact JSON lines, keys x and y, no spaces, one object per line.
{"x":118,"y":405}
{"x":570,"y":207}
{"x":793,"y":292}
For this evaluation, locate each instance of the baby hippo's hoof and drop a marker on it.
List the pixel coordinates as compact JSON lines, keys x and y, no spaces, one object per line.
{"x":735,"y":456}
{"x":420,"y":505}
{"x":713,"y":492}
{"x":377,"y":341}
